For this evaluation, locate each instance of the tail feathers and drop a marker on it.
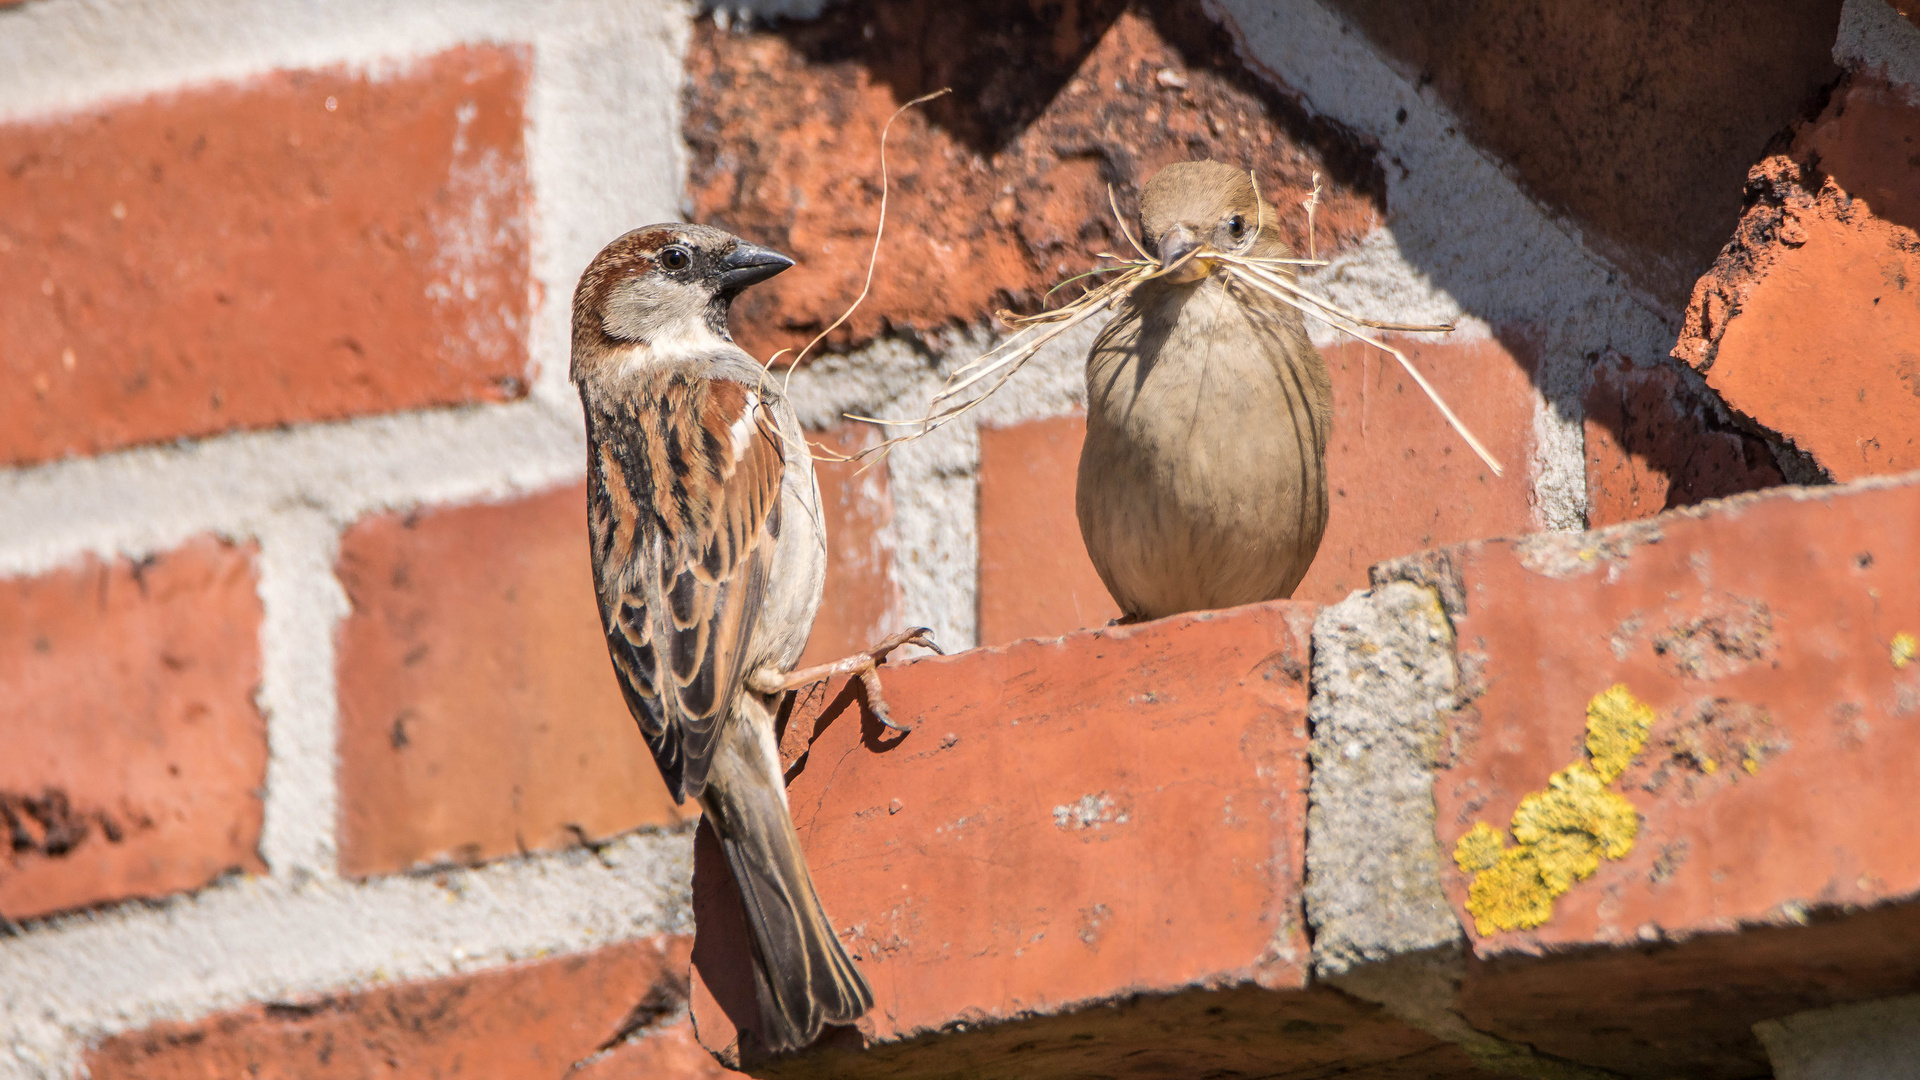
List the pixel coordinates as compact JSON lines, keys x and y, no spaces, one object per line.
{"x":803,"y":977}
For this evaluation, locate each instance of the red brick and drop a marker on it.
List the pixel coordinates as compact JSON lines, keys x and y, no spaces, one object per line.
{"x":240,"y":255}
{"x":999,"y":191}
{"x":479,"y":715}
{"x":1399,"y":479}
{"x":1635,"y":119}
{"x":1868,"y":140}
{"x":1764,"y":634}
{"x":527,"y":1020}
{"x":862,"y":600}
{"x":134,"y":752}
{"x":1652,"y":444}
{"x":669,"y":1053}
{"x":1112,"y":815}
{"x":1035,"y":577}
{"x":1809,"y":320}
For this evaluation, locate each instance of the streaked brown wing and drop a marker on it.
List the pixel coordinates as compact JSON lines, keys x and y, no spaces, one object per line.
{"x":683,"y":497}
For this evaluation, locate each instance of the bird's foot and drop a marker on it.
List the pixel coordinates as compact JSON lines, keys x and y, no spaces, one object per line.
{"x":865,"y":665}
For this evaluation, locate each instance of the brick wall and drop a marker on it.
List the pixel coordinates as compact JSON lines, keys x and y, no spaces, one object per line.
{"x":311,"y":762}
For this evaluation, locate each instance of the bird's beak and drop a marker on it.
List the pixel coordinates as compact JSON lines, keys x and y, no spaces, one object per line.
{"x":749,"y":264}
{"x":1176,"y":244}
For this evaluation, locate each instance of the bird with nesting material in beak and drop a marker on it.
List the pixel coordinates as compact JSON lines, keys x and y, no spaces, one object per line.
{"x":1203,"y":480}
{"x":709,"y":557}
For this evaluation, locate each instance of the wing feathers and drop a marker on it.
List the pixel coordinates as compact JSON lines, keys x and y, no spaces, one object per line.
{"x":684,"y":496}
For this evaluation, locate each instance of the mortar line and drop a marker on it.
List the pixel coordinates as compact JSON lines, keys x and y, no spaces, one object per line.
{"x":303,"y":603}
{"x":144,"y":500}
{"x":74,"y":979}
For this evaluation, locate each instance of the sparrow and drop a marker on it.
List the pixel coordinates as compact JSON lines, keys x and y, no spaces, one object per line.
{"x":708,"y":560}
{"x":1203,"y":479}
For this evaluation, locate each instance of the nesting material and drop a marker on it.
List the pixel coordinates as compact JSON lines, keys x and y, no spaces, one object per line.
{"x":977,"y":380}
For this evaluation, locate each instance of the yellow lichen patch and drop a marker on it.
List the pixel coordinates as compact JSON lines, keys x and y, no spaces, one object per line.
{"x":1563,"y":832}
{"x":1905,"y":648}
{"x":1510,"y":895}
{"x":1577,"y":803}
{"x":1478,"y":850}
{"x":1617,"y":726}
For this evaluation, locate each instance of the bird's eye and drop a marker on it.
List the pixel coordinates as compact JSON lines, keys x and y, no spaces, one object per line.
{"x":675,"y":258}
{"x":1237,"y":225}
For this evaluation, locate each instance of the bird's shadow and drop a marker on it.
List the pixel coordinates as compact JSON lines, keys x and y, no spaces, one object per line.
{"x":806,"y":714}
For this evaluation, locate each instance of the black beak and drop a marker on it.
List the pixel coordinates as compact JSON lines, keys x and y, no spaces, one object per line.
{"x":749,"y":264}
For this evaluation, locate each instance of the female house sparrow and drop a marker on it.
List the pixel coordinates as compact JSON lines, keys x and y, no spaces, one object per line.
{"x":708,"y":558}
{"x":1203,"y":481}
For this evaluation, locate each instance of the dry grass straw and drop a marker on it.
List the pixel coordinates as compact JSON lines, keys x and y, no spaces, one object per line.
{"x":977,"y":380}
{"x":873,"y":257}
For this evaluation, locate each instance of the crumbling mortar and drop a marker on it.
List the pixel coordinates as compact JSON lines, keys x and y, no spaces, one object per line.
{"x":1382,"y":930}
{"x":1383,"y":676}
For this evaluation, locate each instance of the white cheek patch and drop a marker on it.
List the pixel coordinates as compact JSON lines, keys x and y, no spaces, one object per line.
{"x":670,"y":317}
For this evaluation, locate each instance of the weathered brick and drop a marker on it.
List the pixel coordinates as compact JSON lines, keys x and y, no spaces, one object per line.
{"x":861,"y":604}
{"x":999,"y":190}
{"x":1868,"y":140}
{"x":1035,"y":577}
{"x":1771,"y":640}
{"x":1399,"y":479}
{"x":618,"y":1010}
{"x":1809,"y":322}
{"x":1652,"y":444}
{"x":134,"y":755}
{"x":479,"y":715}
{"x":308,"y":245}
{"x":1569,"y":95}
{"x":1086,"y":859}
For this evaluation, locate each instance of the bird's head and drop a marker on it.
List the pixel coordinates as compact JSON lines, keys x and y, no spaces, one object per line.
{"x":1206,"y":206}
{"x":666,"y":286}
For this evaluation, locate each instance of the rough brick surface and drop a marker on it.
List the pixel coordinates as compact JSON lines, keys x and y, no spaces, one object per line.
{"x":1399,"y":479}
{"x":131,"y":752}
{"x":619,"y":1010}
{"x":1809,"y":323}
{"x":1570,"y":95}
{"x":479,"y":715}
{"x":1771,"y":640}
{"x":862,"y":600}
{"x":1653,"y":444}
{"x":1035,"y":577}
{"x":1868,"y":140}
{"x":1000,"y":189}
{"x":304,"y":246}
{"x":1157,"y":774}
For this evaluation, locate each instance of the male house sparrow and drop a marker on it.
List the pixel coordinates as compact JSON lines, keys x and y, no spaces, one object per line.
{"x":708,"y":557}
{"x":1203,"y":480}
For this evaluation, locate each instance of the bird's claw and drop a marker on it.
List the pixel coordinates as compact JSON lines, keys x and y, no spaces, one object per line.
{"x":862,"y":665}
{"x":913,"y":635}
{"x":870,"y":674}
{"x":877,"y":703}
